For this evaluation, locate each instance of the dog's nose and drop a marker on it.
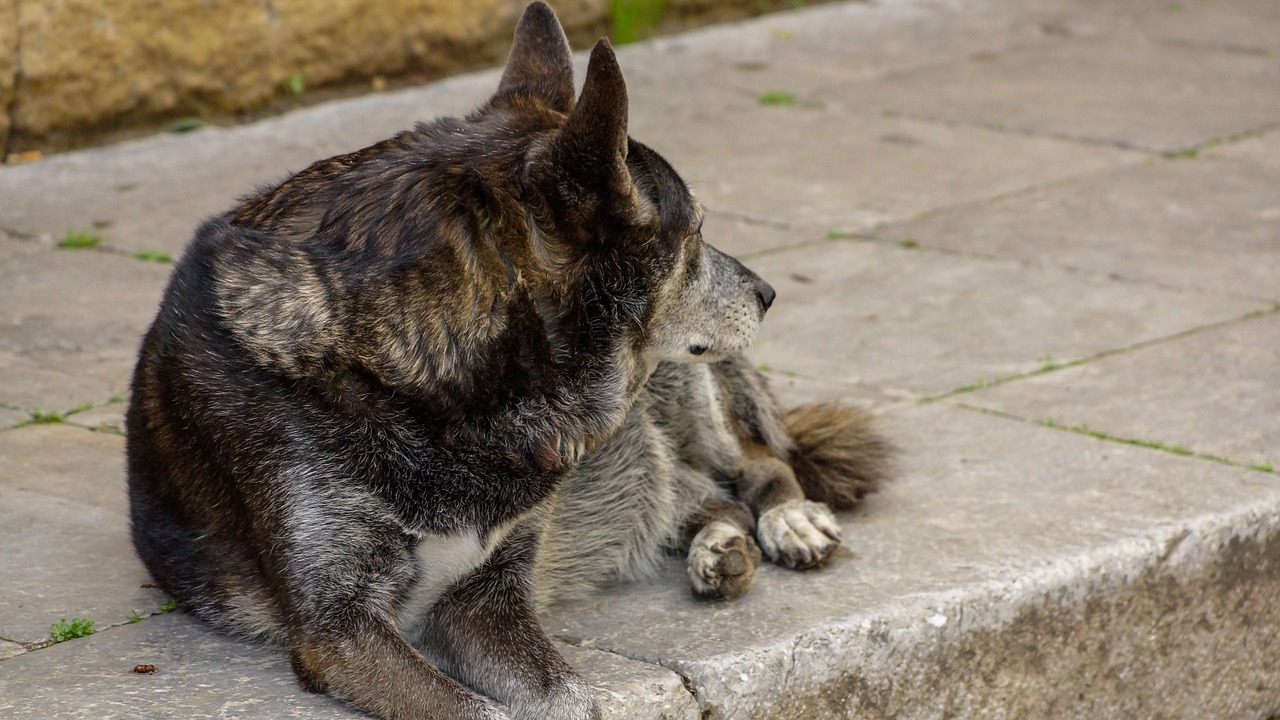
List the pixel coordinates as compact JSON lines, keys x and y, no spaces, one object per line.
{"x":765,"y":294}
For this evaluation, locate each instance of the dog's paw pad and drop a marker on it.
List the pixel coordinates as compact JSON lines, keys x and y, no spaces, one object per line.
{"x":798,"y":534}
{"x":722,"y":561}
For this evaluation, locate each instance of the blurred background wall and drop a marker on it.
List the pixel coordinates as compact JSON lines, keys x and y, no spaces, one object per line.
{"x":77,"y":72}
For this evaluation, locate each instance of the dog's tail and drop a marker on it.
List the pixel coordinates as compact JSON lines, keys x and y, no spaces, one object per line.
{"x":839,"y":457}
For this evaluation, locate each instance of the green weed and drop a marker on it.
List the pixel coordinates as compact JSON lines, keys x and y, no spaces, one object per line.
{"x":45,"y":417}
{"x":634,"y":20}
{"x":78,"y":409}
{"x":777,"y":98}
{"x":153,"y":256}
{"x":168,"y":606}
{"x":80,"y":240}
{"x":77,"y":628}
{"x":294,"y":84}
{"x":186,"y":125}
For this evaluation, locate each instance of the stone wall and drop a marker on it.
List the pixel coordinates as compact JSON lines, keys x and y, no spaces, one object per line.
{"x":75,"y":70}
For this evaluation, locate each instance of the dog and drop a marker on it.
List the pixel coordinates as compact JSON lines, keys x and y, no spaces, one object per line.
{"x":702,"y":454}
{"x":373,"y":390}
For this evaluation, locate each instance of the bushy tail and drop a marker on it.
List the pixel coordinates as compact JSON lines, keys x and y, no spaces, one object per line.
{"x":839,"y":457}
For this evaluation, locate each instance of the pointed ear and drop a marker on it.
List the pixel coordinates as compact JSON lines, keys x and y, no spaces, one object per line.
{"x":540,"y":62}
{"x":597,"y":127}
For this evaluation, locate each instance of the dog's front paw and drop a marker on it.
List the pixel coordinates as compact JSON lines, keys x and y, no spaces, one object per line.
{"x":798,"y":534}
{"x":573,"y":700}
{"x":722,"y":560}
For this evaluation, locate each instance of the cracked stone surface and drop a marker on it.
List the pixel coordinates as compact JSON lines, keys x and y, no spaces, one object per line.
{"x":107,"y":417}
{"x":1210,"y":225}
{"x":93,"y":678}
{"x":66,"y":559}
{"x":1126,"y":90}
{"x":1215,"y":392}
{"x":70,"y":323}
{"x":1239,"y":26}
{"x":828,"y":183}
{"x":88,"y":467}
{"x":11,"y":416}
{"x":1263,"y":149}
{"x":128,"y":193}
{"x":932,"y":322}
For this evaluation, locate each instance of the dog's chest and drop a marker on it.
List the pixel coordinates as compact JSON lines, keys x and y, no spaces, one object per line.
{"x":440,"y":562}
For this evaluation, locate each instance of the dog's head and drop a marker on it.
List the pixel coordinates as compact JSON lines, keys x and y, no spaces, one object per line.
{"x":611,"y":213}
{"x":434,"y":257}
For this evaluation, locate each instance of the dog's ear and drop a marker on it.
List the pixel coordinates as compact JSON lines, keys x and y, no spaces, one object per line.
{"x":597,"y":126}
{"x":584,"y":175}
{"x":540,"y":63}
{"x":590,"y":151}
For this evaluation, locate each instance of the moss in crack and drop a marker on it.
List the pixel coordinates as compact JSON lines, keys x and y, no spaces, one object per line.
{"x":1140,"y":442}
{"x":80,"y":240}
{"x":43,"y":417}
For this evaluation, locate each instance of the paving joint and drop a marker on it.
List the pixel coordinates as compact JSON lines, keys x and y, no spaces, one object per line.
{"x":1156,"y":445}
{"x":1226,"y":140}
{"x":911,"y":244}
{"x":899,"y":397}
{"x":778,"y":249}
{"x":1006,"y":129}
{"x":982,"y":384}
{"x":1190,"y":151}
{"x":32,"y":646}
{"x":1230,"y":48}
{"x":855,"y":232}
{"x":17,"y":234}
{"x":106,"y":248}
{"x":689,"y":685}
{"x":778,"y":223}
{"x":59,"y":417}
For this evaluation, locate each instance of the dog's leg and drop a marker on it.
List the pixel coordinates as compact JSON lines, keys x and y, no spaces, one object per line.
{"x":337,"y":569}
{"x":484,"y":630}
{"x":722,"y":556}
{"x":373,"y":668}
{"x":793,"y":531}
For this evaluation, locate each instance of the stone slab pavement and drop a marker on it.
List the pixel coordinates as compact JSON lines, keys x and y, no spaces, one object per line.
{"x":1039,"y":238}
